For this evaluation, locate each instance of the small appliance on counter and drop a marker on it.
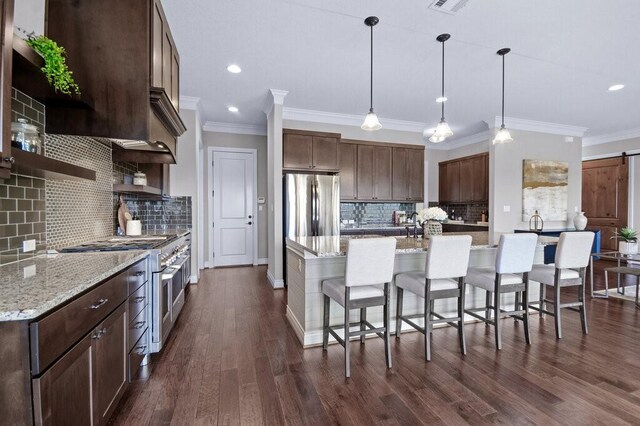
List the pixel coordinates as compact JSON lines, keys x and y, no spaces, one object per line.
{"x":139,"y":178}
{"x":26,"y":137}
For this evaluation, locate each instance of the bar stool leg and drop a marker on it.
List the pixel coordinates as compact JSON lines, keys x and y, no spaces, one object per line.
{"x":427,"y":327}
{"x":463,"y":344}
{"x":487,"y":309}
{"x":525,"y":307}
{"x":583,"y":309}
{"x":399,"y":312}
{"x":496,"y":317}
{"x":637,"y":287}
{"x":556,"y":310}
{"x":363,"y":318}
{"x":606,"y":282}
{"x":387,"y":337}
{"x":543,"y":295}
{"x":325,"y":323}
{"x":517,"y":305}
{"x":347,"y":366}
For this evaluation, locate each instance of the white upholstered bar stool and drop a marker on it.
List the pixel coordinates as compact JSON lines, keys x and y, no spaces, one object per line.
{"x":514,"y":259}
{"x":443,"y":277}
{"x":572,"y":258}
{"x":366,"y":283}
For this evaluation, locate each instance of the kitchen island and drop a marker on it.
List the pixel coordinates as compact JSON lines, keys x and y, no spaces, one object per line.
{"x":310,"y":260}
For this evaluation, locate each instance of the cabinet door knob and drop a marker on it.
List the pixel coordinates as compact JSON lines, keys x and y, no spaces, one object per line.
{"x":138,"y":299}
{"x":139,"y":324}
{"x":140,"y":350}
{"x":139,"y":273}
{"x":11,"y":160}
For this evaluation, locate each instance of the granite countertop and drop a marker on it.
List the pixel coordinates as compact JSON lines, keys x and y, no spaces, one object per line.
{"x":403,"y":226}
{"x":332,"y":246}
{"x":32,"y":287}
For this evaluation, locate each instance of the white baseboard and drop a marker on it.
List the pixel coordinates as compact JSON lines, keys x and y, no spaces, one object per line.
{"x":275,"y":283}
{"x":263,"y":261}
{"x":193,"y":279}
{"x":295,"y":324}
{"x":208,"y":265}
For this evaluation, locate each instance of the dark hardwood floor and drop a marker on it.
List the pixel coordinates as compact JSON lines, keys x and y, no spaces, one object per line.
{"x":233,"y":359}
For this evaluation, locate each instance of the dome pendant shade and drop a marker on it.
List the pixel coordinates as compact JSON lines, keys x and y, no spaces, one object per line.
{"x":371,"y":122}
{"x":503,"y":136}
{"x":442,"y":132}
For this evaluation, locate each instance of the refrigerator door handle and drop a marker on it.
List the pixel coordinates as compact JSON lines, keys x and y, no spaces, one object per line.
{"x":315,"y":208}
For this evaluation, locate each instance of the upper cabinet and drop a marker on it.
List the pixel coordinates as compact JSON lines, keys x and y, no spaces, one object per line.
{"x":124,"y":58}
{"x":464,"y":180}
{"x":310,"y":151}
{"x":381,"y":172}
{"x":408,"y":174}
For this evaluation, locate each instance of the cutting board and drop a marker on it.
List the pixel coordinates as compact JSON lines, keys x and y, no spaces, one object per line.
{"x":123,"y":214}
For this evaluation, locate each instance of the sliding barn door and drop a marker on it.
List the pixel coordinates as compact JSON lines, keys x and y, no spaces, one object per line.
{"x":605,"y":192}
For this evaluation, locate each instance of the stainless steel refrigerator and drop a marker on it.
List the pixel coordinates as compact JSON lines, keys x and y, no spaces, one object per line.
{"x":311,"y":205}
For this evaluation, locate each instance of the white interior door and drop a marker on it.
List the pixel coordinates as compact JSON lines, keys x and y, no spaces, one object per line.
{"x":233,"y":215}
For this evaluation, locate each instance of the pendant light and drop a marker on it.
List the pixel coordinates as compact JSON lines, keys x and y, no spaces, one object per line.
{"x":503,"y":135}
{"x":371,"y":122}
{"x":443,"y":130}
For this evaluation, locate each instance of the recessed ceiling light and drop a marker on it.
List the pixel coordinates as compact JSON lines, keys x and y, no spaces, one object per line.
{"x":616,"y":87}
{"x":441,"y":99}
{"x":234,"y":69}
{"x":233,"y":109}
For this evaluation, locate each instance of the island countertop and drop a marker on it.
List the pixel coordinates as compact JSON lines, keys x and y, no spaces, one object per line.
{"x":331,"y":246}
{"x":32,"y":287}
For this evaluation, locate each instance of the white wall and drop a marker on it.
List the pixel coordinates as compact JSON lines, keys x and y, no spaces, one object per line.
{"x":184,"y":176}
{"x":505,"y":176}
{"x":229,"y":140}
{"x":630,"y":146}
{"x":29,"y":15}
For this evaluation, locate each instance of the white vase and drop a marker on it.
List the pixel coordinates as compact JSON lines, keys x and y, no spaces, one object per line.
{"x":432,"y":228}
{"x":580,"y":221}
{"x":625,"y":247}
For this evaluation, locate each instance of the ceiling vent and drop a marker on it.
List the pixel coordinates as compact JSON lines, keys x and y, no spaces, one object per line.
{"x":448,"y":6}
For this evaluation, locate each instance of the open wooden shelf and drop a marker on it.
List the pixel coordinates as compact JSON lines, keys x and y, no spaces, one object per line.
{"x":124,"y":188}
{"x":28,"y":78}
{"x":44,"y":167}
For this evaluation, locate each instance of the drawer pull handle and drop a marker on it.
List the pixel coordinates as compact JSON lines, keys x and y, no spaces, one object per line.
{"x":138,"y":299}
{"x":139,"y":273}
{"x":99,"y":303}
{"x":140,"y":350}
{"x":99,"y":333}
{"x":139,"y":325}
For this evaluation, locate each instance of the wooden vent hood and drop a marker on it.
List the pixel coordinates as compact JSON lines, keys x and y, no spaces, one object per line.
{"x":123,"y":56}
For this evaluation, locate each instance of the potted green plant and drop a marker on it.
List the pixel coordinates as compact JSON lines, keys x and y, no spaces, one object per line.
{"x":628,"y":238}
{"x":55,"y":68}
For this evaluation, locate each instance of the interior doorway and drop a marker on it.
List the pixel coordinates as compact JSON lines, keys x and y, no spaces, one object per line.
{"x":233,"y":221}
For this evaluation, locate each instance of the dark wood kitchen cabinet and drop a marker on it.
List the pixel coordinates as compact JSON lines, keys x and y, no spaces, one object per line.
{"x":348,"y":165}
{"x":408,"y":174}
{"x":6,"y":26}
{"x":464,"y":180}
{"x":310,"y":151}
{"x":124,"y":58}
{"x":374,"y":173}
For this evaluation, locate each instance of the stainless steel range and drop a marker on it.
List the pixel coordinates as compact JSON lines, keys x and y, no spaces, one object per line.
{"x":170,"y":271}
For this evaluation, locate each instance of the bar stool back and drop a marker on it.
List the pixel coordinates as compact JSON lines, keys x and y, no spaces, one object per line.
{"x":368,"y":274}
{"x":445,"y":269}
{"x":572,"y":258}
{"x":514,"y":260}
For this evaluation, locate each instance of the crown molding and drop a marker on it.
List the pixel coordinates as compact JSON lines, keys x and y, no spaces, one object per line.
{"x":276,"y":98}
{"x":348,"y":119}
{"x":239,"y":129}
{"x":513,"y":123}
{"x":612,"y":137}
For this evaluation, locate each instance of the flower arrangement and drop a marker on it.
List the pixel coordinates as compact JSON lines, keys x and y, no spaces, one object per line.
{"x":432,"y":214}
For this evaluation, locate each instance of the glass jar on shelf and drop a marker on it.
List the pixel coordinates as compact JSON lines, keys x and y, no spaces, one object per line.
{"x":26,"y":137}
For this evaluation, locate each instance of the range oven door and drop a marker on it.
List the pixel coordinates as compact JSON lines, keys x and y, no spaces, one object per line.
{"x":174,"y":279}
{"x":166,"y":300}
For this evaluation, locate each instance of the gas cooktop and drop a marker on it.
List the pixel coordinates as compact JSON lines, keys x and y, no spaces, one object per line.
{"x":146,"y":242}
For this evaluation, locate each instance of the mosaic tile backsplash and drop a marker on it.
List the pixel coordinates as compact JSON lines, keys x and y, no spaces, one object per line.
{"x":468,"y":212}
{"x":158,"y":216}
{"x":368,"y":214}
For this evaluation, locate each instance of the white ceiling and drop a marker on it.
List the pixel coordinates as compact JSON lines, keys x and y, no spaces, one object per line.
{"x":565,"y":54}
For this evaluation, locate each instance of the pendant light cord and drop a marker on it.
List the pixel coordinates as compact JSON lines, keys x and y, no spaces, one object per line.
{"x":442,"y":81}
{"x":371,"y":87}
{"x":503,"y":90}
